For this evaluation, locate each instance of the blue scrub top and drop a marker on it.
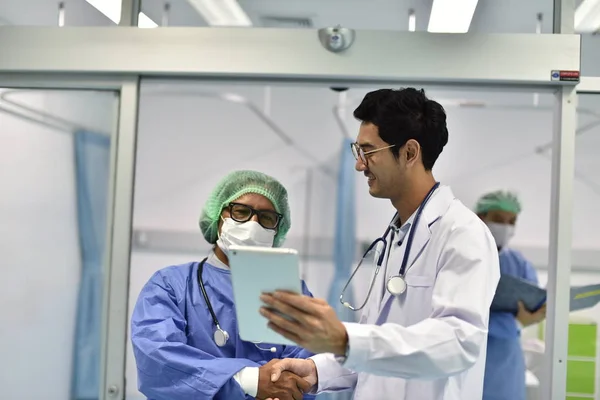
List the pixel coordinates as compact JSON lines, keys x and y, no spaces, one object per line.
{"x":505,"y":364}
{"x":172,"y":335}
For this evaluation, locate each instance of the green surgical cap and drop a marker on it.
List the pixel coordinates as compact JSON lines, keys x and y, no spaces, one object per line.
{"x":498,"y":200}
{"x":234,"y":186}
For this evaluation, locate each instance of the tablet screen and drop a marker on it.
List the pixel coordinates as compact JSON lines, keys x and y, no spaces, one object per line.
{"x":257,"y":270}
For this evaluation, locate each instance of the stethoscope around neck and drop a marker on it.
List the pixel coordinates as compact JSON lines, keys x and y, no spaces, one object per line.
{"x":220,"y":336}
{"x":395,"y":285}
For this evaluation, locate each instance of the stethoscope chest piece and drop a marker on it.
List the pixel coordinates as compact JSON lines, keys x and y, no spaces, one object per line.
{"x":220,"y":337}
{"x":396,"y":285}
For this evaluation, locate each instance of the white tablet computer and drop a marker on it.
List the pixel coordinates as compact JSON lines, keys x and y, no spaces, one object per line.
{"x":255,"y":270}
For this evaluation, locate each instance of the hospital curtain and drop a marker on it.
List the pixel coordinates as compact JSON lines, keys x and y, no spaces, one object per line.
{"x":92,"y":167}
{"x":344,"y":244}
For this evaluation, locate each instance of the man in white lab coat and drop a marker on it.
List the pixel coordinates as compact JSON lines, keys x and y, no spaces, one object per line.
{"x":423,"y":331}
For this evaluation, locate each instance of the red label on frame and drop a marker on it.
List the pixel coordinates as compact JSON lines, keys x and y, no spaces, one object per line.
{"x":568,"y":75}
{"x":572,"y":76}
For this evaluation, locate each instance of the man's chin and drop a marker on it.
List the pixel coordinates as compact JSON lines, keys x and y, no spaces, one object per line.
{"x":374,"y":192}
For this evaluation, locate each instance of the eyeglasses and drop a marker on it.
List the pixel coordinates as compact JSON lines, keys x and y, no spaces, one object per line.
{"x":243,"y":213}
{"x":359,"y":153}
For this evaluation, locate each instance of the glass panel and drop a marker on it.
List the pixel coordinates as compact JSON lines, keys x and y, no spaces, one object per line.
{"x":587,"y":165}
{"x":489,"y":16}
{"x":584,"y":335}
{"x":590,"y":48}
{"x":65,"y":13}
{"x":193,"y":133}
{"x":54,"y":169}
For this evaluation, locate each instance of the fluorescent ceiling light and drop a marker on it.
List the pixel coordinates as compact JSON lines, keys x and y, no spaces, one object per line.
{"x":61,"y":14}
{"x":144,"y":21}
{"x":412,"y":21}
{"x":587,"y":16}
{"x":451,"y":16}
{"x":222,"y":12}
{"x":112,"y":9}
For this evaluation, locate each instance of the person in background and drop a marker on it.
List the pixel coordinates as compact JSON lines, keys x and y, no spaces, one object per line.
{"x":505,"y":364}
{"x":181,"y":349}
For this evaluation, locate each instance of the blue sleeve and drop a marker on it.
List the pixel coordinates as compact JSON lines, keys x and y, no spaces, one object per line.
{"x":529,"y":272}
{"x":305,"y":290}
{"x":169,"y":369}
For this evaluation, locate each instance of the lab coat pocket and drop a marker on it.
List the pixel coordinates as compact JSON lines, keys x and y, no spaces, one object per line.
{"x":418,"y":304}
{"x":419,"y":280}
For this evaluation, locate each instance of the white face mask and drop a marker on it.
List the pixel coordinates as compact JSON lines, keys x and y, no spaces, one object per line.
{"x":502,"y":233}
{"x":248,"y":233}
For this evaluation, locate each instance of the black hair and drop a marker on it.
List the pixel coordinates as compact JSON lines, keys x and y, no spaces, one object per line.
{"x":404,"y":114}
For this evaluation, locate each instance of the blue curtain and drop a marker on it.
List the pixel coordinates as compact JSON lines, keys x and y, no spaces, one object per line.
{"x":344,"y":244}
{"x":92,"y":167}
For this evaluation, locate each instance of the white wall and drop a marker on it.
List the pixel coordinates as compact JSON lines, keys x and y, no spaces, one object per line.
{"x":39,"y":245}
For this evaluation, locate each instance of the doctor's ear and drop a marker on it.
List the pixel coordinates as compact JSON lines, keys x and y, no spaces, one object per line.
{"x":412,"y":151}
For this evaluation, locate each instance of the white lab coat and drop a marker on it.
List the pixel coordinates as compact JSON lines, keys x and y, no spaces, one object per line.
{"x":429,"y":343}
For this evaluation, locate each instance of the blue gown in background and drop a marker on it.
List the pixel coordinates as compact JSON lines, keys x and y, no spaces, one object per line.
{"x":505,"y":363}
{"x":172,"y":336}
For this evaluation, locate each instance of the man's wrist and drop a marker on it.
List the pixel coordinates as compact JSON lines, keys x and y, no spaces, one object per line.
{"x":316,"y":371}
{"x":340,"y":346}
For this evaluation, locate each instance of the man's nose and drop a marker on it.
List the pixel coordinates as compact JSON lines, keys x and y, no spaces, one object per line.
{"x":360,"y":166}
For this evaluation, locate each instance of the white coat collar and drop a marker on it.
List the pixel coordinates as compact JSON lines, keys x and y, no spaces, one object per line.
{"x":435,"y":208}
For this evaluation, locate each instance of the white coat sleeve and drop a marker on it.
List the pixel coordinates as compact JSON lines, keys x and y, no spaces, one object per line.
{"x":332,"y":376}
{"x":449,"y":341}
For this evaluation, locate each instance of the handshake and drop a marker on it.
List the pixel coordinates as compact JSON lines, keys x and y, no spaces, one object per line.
{"x":286,"y":379}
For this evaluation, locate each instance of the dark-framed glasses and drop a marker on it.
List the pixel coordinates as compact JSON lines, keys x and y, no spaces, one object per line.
{"x":244,"y":213}
{"x":360,"y":154}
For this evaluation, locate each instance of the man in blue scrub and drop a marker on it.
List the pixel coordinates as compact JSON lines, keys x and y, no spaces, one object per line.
{"x":182,"y":350}
{"x":505,"y":364}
